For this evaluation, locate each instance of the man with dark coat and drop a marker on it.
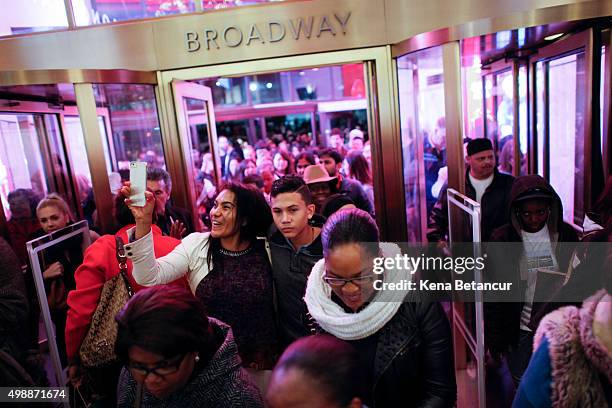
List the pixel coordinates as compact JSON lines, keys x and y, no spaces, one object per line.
{"x":484,"y":184}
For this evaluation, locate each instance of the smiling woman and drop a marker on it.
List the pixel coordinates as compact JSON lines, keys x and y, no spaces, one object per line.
{"x":403,"y":365}
{"x":214,"y":264}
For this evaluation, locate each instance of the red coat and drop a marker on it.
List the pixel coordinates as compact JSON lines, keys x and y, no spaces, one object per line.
{"x":100,"y":265}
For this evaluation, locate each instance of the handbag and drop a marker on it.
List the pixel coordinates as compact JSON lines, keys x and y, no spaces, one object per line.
{"x":98,"y":348}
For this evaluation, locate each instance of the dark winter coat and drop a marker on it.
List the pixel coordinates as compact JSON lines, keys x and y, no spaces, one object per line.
{"x":494,"y":204}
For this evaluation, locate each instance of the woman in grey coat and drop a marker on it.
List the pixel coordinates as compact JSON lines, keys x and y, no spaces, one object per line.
{"x":175,"y":356}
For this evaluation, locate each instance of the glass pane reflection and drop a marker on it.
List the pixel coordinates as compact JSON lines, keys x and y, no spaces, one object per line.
{"x":421,"y":93}
{"x":31,"y":16}
{"x":136,"y":134}
{"x":21,"y":164}
{"x":566,"y":130}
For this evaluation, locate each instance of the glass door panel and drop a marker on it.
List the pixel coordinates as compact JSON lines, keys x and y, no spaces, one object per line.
{"x":563,"y":95}
{"x":499,"y":110}
{"x":21,"y":160}
{"x":566,"y":125}
{"x":75,"y":142}
{"x":421,"y":88}
{"x":195,"y":116}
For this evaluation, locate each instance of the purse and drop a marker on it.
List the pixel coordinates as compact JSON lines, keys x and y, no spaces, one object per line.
{"x":98,"y":347}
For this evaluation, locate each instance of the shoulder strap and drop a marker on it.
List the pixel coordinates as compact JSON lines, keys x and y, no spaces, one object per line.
{"x":122,"y":260}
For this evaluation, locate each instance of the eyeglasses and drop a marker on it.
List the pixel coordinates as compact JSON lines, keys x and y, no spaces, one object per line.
{"x":340,"y":282}
{"x":161,"y":369}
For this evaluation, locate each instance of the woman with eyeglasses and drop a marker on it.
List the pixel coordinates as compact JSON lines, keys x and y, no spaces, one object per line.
{"x":404,"y":343}
{"x":227,"y":268}
{"x":175,"y":356}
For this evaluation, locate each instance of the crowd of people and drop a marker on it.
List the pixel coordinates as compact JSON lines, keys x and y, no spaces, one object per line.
{"x":275,"y":303}
{"x":347,"y":169}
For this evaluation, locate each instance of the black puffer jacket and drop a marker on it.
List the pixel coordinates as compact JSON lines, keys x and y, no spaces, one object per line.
{"x":413,"y":364}
{"x":503,"y":316}
{"x":494,"y":204}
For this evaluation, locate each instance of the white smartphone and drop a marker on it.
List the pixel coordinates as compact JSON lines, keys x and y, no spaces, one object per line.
{"x":138,"y":183}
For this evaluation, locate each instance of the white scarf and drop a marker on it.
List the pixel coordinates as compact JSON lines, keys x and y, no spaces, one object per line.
{"x":353,"y":326}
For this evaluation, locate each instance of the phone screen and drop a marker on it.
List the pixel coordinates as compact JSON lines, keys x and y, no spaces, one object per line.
{"x":138,"y":183}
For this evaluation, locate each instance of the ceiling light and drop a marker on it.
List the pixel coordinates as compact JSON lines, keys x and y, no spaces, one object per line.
{"x":553,"y":37}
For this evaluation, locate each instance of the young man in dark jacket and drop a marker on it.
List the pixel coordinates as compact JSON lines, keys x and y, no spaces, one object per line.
{"x":525,"y":252}
{"x":295,"y":245}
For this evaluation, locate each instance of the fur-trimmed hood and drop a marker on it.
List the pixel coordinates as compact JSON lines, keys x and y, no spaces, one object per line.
{"x":578,"y":359}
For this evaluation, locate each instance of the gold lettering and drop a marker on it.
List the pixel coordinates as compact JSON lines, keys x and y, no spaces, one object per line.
{"x":325,"y":26}
{"x":307,"y":28}
{"x":280,"y":36}
{"x":236,"y":43}
{"x":343,"y":21}
{"x":207,"y":33}
{"x":254,"y":34}
{"x":191,"y":41}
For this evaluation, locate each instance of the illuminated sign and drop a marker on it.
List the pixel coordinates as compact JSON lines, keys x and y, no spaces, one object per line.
{"x":272,"y":31}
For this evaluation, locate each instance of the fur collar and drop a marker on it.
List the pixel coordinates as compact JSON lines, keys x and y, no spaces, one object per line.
{"x":577,"y":357}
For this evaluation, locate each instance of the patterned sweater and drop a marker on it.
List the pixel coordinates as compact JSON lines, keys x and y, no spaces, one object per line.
{"x":220,"y":383}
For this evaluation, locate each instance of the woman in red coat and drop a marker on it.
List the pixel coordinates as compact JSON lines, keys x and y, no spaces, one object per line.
{"x":99,"y":265}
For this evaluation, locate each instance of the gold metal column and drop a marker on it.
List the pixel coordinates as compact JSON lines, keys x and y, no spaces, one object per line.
{"x":86,"y":103}
{"x":516,"y":167}
{"x":386,"y":145}
{"x":453,"y":112}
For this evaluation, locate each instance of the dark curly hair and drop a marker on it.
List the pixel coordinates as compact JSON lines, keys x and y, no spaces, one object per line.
{"x":253,"y":217}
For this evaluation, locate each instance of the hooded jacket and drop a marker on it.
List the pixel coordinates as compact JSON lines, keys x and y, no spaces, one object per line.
{"x":221,"y":382}
{"x":502,"y":319}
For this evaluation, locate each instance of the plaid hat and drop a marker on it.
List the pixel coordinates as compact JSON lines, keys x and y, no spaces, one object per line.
{"x":478,"y":145}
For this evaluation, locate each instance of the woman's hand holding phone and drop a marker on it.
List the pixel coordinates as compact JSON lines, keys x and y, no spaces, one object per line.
{"x":142,"y":215}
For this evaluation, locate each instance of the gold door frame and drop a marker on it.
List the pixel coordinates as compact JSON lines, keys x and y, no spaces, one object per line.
{"x":182,"y":90}
{"x":383,"y":127}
